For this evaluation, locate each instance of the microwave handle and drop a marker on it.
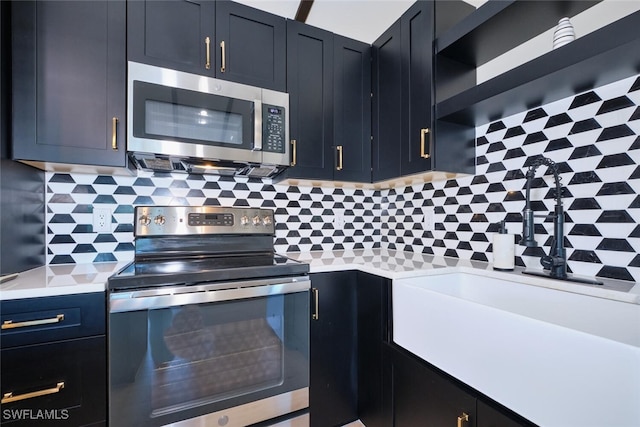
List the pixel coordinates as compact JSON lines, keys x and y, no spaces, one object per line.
{"x":257,"y":137}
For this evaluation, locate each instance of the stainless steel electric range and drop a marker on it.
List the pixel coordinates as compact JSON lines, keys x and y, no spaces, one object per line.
{"x":208,"y":325}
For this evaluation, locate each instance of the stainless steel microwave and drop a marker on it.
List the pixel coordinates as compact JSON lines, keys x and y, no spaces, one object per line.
{"x":181,"y":122}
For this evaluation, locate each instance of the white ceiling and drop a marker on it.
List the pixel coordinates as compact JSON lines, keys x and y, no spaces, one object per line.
{"x":363,"y":20}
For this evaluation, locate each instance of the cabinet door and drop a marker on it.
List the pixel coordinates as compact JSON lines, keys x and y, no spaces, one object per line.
{"x":333,"y":356}
{"x":417,"y":47}
{"x":67,"y":379}
{"x":251,"y":46}
{"x":374,"y":369}
{"x":37,"y":320}
{"x":352,"y":110}
{"x":172,"y":34}
{"x":411,"y":384}
{"x":387,"y":104}
{"x":310,"y":87}
{"x":490,"y":416}
{"x":424,"y":397}
{"x":69,"y":67}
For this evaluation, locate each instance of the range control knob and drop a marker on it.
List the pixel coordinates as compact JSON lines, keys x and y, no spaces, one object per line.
{"x":257,"y":221}
{"x":267,"y":221}
{"x":244,"y":220}
{"x":144,"y":220}
{"x":159,"y":220}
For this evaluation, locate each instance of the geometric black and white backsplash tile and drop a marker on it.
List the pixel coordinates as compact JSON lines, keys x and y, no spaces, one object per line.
{"x":305,"y":216}
{"x":593,"y":137}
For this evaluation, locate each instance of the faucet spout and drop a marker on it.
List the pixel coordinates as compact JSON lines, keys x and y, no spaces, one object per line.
{"x":556,"y":261}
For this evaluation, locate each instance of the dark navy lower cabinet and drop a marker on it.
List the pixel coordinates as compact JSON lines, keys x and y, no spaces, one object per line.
{"x":425,"y":396}
{"x":333,"y":350}
{"x":53,"y":366}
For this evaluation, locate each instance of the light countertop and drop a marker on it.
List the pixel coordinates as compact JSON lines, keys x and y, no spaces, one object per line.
{"x":63,"y":279}
{"x":67,"y":279}
{"x":398,"y":265}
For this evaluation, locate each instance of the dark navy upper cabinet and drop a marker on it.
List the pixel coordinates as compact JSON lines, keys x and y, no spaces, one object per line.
{"x":250,"y":46}
{"x":69,"y":70}
{"x":387,"y":104}
{"x":416,"y":148}
{"x":172,"y":34}
{"x":402,"y":94}
{"x":352,"y":110}
{"x":310,"y":87}
{"x":329,"y":84}
{"x":220,"y":39}
{"x":405,"y":140}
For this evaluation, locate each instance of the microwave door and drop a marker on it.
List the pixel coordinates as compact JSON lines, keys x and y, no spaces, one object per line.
{"x":185,"y":123}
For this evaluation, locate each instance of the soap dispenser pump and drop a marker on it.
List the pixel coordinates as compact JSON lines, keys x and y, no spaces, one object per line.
{"x":503,"y":249}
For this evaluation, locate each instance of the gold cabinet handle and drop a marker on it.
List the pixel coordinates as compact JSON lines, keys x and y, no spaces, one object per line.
{"x":423,"y":137}
{"x":223,"y":51}
{"x":339,"y":148}
{"x":114,"y":133}
{"x":8,"y":324}
{"x":9,"y":397}
{"x":294,"y":156}
{"x":207,"y":42}
{"x":463,"y":419}
{"x":316,"y":309}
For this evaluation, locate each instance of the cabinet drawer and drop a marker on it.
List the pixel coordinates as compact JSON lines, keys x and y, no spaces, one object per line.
{"x":61,"y":383}
{"x":39,"y":320}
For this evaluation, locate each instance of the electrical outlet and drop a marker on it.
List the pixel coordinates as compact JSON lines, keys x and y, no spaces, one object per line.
{"x":101,"y":219}
{"x":338,"y":219}
{"x":427,"y":218}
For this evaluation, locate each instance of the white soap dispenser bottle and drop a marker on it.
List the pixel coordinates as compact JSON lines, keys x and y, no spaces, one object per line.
{"x":503,"y":249}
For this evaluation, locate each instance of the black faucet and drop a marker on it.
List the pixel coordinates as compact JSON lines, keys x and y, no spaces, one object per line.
{"x":556,"y":261}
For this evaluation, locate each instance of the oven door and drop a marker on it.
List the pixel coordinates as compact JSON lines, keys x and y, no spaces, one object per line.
{"x":184,"y":115}
{"x":229,"y":354}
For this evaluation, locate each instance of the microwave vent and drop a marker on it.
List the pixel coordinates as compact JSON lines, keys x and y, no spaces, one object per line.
{"x":157,"y":164}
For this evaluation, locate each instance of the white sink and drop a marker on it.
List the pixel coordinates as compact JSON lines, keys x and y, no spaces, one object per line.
{"x":557,"y":358}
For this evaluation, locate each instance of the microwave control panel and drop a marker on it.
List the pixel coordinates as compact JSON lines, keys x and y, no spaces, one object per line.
{"x":273,"y":121}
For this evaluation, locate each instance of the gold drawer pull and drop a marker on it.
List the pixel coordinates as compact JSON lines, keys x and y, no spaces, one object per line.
{"x":8,"y":324}
{"x":223,"y":53}
{"x":207,"y":42}
{"x":316,"y":297}
{"x":294,"y":158}
{"x":423,"y":134}
{"x":114,"y":133}
{"x":339,"y":148}
{"x":9,"y":397}
{"x":462,"y":419}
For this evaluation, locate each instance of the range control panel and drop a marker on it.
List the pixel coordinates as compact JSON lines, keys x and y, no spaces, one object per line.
{"x":187,"y":220}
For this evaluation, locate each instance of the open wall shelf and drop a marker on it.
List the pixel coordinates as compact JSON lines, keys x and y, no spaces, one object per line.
{"x":608,"y":54}
{"x":500,"y":25}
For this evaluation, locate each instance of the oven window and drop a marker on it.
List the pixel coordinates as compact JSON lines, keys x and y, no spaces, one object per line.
{"x":183,"y":121}
{"x":180,"y":362}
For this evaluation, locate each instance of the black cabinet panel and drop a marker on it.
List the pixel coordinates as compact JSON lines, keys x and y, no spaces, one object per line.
{"x":417,"y":45}
{"x":494,"y":415}
{"x":310,"y":87}
{"x":352,"y":110}
{"x":56,"y":318}
{"x":333,"y":378}
{"x":69,"y":67}
{"x":254,"y":46}
{"x":374,"y":377}
{"x":71,"y":376}
{"x":422,"y":396}
{"x":387,"y":104}
{"x":172,"y":34}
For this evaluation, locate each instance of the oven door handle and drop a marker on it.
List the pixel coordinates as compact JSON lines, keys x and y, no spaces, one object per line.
{"x":164,"y":297}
